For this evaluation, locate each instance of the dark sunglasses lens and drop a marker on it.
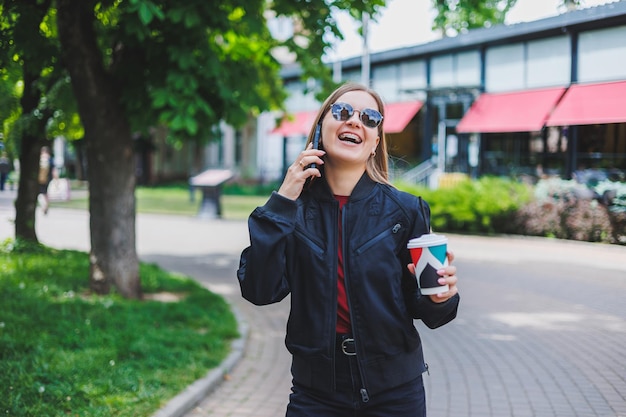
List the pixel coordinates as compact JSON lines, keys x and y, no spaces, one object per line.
{"x":371,"y":118}
{"x":342,"y":111}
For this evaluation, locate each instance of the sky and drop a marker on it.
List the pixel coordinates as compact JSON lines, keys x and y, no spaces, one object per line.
{"x":408,"y":22}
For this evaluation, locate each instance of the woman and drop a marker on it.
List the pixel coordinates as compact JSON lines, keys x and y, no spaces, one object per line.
{"x":334,"y":236}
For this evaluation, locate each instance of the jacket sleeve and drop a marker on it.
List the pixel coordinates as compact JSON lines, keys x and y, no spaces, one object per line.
{"x":432,"y":314}
{"x":436,"y":315}
{"x":263,"y":266}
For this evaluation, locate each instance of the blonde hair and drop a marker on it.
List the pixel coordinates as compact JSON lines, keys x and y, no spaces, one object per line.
{"x":377,"y":166}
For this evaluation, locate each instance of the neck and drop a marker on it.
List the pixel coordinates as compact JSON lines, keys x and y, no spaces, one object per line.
{"x":342,"y":180}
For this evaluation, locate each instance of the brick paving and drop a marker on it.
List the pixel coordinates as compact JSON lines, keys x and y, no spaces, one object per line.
{"x":540,"y":333}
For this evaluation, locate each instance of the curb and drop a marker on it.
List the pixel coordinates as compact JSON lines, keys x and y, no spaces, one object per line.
{"x":198,"y":390}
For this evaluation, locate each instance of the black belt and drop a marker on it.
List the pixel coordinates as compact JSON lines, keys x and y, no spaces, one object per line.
{"x":346,"y":345}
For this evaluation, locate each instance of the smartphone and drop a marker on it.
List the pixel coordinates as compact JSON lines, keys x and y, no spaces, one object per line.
{"x":316,"y":141}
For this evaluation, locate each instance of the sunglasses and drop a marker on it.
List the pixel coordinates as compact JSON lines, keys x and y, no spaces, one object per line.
{"x":343,"y":111}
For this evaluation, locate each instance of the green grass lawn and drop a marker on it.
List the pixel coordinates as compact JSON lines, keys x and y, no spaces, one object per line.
{"x":65,"y":351}
{"x":176,"y":200}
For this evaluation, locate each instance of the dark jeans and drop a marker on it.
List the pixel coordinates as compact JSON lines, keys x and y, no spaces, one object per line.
{"x":407,"y":400}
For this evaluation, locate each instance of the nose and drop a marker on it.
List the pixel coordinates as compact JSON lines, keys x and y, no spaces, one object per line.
{"x":355,"y":118}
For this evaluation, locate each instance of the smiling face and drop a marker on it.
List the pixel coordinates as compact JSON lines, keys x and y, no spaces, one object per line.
{"x":350,"y":141}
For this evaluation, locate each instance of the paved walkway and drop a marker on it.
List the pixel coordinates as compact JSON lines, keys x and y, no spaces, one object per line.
{"x":541,"y":327}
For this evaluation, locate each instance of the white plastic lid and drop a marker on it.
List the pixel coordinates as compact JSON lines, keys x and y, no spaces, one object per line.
{"x":429,"y":239}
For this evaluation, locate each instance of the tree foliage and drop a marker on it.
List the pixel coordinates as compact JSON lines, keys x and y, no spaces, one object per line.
{"x":32,"y":79}
{"x":316,"y":30}
{"x":453,"y":17}
{"x":30,"y":67}
{"x":136,"y":64}
{"x":190,"y":64}
{"x":568,"y":5}
{"x":458,"y":16}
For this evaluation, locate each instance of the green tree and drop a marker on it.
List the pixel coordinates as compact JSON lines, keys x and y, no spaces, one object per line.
{"x":569,"y":5}
{"x":185,"y":65}
{"x":458,"y":16}
{"x":32,"y":83}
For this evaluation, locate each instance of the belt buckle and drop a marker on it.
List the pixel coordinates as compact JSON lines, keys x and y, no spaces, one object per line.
{"x":344,"y":347}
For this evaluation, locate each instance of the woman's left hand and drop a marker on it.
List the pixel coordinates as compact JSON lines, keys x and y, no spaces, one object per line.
{"x":448,"y":276}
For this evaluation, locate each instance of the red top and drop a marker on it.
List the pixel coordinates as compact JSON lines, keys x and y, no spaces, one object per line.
{"x":343,"y":314}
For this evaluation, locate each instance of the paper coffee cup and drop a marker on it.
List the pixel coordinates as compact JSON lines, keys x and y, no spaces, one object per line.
{"x":428,"y":253}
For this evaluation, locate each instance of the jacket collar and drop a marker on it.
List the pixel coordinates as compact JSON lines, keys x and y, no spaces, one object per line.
{"x":363,"y":188}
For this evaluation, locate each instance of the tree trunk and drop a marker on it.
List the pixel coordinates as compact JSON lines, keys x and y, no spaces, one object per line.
{"x":110,"y":159}
{"x":31,"y":142}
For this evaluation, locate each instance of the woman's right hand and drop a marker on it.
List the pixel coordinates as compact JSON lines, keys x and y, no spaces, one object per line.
{"x":297,"y":173}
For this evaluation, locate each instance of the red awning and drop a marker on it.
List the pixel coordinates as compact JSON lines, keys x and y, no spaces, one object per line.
{"x":524,"y":111}
{"x":398,"y":115}
{"x":591,"y":104}
{"x":298,"y":124}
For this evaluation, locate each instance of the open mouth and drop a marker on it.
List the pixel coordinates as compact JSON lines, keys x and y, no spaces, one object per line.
{"x":349,"y":137}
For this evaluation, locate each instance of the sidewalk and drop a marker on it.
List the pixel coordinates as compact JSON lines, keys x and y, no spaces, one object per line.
{"x":540,"y":331}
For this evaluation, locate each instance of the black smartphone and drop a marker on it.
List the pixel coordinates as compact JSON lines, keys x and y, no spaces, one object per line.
{"x":316,"y":141}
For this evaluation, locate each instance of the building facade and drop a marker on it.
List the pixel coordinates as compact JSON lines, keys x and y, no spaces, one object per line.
{"x":540,"y":98}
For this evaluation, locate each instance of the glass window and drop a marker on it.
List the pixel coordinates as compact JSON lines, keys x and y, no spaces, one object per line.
{"x":442,"y":71}
{"x":351,"y":76}
{"x":468,"y":69}
{"x":385,"y":81}
{"x":412,"y":75}
{"x":454,"y":111}
{"x":548,"y":62}
{"x":456,"y":70}
{"x":297,"y":100}
{"x":504,"y":68}
{"x":602,"y":55}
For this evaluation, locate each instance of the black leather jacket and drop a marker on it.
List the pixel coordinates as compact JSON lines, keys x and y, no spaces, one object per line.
{"x":293,"y":250}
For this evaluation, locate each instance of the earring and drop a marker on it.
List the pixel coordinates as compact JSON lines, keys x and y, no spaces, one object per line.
{"x":373,"y":154}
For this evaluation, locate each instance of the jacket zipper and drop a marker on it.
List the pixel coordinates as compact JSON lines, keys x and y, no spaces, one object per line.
{"x":333,"y":348}
{"x":363,"y":391}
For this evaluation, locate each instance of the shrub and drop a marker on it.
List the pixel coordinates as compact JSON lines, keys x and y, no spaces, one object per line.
{"x":487,"y":205}
{"x":575,"y":219}
{"x":565,"y":210}
{"x":552,"y":208}
{"x":613,"y":195}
